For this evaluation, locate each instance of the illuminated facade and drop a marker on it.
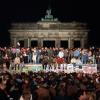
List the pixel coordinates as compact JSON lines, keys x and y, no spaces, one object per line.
{"x":49,"y":32}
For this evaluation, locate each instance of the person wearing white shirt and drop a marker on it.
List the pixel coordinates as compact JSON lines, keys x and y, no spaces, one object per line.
{"x":61,"y":54}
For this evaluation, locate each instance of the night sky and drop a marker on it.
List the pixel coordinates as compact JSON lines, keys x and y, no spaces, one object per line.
{"x":65,"y":10}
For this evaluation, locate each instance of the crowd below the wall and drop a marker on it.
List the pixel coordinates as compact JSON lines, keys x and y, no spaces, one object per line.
{"x":49,"y":86}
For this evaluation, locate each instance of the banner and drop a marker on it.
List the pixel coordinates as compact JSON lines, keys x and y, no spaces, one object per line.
{"x":67,"y":68}
{"x":33,"y":67}
{"x":70,"y":68}
{"x":89,"y":68}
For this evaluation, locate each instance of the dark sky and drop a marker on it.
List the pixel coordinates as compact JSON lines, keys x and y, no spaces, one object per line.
{"x":65,"y":10}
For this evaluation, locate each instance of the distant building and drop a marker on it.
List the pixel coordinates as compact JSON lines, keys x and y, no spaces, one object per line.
{"x":49,"y":32}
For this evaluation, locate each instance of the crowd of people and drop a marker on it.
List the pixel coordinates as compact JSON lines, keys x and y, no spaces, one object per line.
{"x":44,"y":85}
{"x":49,"y":86}
{"x":16,"y":57}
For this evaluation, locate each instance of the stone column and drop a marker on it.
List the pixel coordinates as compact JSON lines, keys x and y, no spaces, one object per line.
{"x":25,"y":42}
{"x":70,"y":43}
{"x":15,"y":41}
{"x":82,"y":43}
{"x":57,"y":43}
{"x":28,"y":44}
{"x":40,"y":42}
